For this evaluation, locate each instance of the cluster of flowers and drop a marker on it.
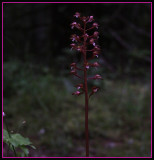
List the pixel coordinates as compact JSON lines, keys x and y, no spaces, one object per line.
{"x":79,"y":45}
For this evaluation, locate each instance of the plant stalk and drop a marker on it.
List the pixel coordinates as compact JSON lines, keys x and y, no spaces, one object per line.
{"x":86,"y":96}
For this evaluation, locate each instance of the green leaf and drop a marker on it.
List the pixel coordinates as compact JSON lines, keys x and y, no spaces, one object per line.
{"x":6,"y":137}
{"x":25,"y":151}
{"x":33,"y":146}
{"x":18,"y":140}
{"x":5,"y":134}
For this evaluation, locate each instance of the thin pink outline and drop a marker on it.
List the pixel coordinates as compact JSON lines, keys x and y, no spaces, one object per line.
{"x":151,"y":79}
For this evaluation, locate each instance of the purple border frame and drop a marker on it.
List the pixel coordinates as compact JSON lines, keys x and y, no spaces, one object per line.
{"x":151,"y":79}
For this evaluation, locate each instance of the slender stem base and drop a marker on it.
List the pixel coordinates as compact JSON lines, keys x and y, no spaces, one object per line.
{"x":86,"y":114}
{"x":86,"y":96}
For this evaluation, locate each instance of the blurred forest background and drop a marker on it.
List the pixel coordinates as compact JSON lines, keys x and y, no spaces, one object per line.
{"x":38,"y":86}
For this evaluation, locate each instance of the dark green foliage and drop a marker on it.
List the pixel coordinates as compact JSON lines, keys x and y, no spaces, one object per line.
{"x":119,"y":116}
{"x":18,"y":142}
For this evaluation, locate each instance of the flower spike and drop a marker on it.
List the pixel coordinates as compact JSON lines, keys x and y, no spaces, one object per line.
{"x":85,"y":44}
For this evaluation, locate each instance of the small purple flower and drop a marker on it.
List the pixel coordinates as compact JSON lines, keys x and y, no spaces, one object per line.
{"x":77,"y":15}
{"x":95,"y":64}
{"x":92,"y":41}
{"x":73,"y":71}
{"x":84,"y":19}
{"x":96,"y":34}
{"x":76,"y":93}
{"x":96,"y":48}
{"x":95,"y":25}
{"x":73,"y":46}
{"x":97,"y":76}
{"x":95,"y":54}
{"x":91,"y":19}
{"x":87,"y":67}
{"x":75,"y":38}
{"x":78,"y":48}
{"x":73,"y":25}
{"x":86,"y":36}
{"x":79,"y":86}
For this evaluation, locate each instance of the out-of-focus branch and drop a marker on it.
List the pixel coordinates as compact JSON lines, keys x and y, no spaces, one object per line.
{"x":105,"y":63}
{"x":134,"y":27}
{"x":120,"y":40}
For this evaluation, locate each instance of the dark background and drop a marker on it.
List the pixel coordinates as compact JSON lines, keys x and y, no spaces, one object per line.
{"x":38,"y":87}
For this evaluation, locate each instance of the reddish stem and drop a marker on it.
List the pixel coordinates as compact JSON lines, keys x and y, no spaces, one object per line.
{"x":79,"y":69}
{"x":77,"y":76}
{"x":86,"y":95}
{"x":89,"y":28}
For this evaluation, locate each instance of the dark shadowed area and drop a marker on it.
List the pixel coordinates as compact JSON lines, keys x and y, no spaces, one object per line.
{"x":38,"y":87}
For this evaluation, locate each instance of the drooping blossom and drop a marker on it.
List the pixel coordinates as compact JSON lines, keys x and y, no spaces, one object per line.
{"x":91,"y":18}
{"x":77,"y":93}
{"x":95,"y":54}
{"x":95,"y":25}
{"x":96,"y":34}
{"x":79,"y":86}
{"x":92,"y":41}
{"x":77,"y":15}
{"x":75,"y":38}
{"x":97,"y":76}
{"x":73,"y":45}
{"x":94,"y":90}
{"x":95,"y":64}
{"x":73,"y":71}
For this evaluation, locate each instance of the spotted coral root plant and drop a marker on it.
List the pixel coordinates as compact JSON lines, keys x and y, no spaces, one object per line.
{"x":86,"y":44}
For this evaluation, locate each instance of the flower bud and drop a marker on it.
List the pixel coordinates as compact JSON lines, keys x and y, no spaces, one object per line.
{"x":75,"y":38}
{"x":97,"y":76}
{"x":87,"y":65}
{"x":73,"y":71}
{"x":77,"y":15}
{"x":95,"y":89}
{"x":95,"y":54}
{"x":86,"y":36}
{"x":92,"y":41}
{"x":95,"y":25}
{"x":96,"y":34}
{"x":73,"y":45}
{"x":77,"y":93}
{"x":84,"y":19}
{"x":73,"y":25}
{"x":91,"y":19}
{"x":78,"y":48}
{"x":96,"y":48}
{"x":78,"y":26}
{"x":79,"y":86}
{"x":95,"y":64}
{"x":73,"y":65}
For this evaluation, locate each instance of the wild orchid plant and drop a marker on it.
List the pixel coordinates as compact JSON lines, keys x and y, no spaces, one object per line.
{"x":87,"y":45}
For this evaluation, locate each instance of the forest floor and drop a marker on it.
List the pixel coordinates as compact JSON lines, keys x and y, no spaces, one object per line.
{"x":119,"y":117}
